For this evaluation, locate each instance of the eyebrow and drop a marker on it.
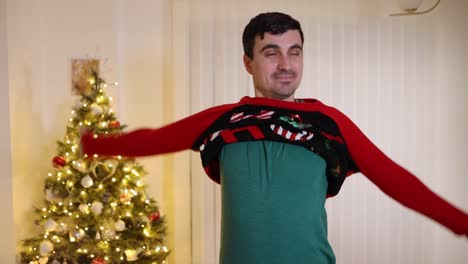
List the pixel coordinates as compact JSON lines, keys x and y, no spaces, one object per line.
{"x":274,"y":46}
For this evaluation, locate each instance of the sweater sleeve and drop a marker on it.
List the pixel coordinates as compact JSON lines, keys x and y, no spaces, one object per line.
{"x":396,"y":181}
{"x":173,"y":137}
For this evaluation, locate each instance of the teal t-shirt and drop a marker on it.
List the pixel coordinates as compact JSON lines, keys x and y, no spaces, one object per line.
{"x":273,"y":205}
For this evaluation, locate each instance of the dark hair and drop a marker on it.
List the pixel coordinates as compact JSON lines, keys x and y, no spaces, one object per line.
{"x":271,"y":22}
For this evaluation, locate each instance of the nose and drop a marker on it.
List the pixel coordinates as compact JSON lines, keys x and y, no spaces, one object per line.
{"x":284,"y":63}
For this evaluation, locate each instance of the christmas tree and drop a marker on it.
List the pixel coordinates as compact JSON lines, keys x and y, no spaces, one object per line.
{"x":95,"y":209}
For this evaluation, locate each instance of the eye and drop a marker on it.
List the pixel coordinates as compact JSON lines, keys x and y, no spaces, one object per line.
{"x":295,"y":53}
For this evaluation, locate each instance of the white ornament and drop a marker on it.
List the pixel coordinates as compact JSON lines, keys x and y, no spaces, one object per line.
{"x":45,"y":248}
{"x":87,"y":181}
{"x":98,"y":235}
{"x":84,"y":208}
{"x":96,"y":109}
{"x":119,"y":226}
{"x":96,"y":207}
{"x":43,"y":260}
{"x":50,"y":225}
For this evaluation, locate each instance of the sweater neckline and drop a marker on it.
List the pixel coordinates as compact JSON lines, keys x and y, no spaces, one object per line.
{"x":299,"y":103}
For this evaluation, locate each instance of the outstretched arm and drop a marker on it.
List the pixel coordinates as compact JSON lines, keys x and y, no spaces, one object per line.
{"x":174,"y":137}
{"x":396,"y":181}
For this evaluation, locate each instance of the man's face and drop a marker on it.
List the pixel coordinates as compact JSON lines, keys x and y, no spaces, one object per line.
{"x":276,"y":67}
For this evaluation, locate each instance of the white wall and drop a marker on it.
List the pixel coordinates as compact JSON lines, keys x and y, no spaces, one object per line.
{"x":402,"y":80}
{"x":134,"y":42}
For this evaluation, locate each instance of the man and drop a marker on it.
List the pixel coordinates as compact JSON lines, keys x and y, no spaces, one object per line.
{"x":278,"y":158}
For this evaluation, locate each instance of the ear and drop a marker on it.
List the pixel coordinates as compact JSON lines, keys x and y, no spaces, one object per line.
{"x":248,"y":64}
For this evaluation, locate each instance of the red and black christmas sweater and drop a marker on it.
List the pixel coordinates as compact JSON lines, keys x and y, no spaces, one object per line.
{"x":309,"y":123}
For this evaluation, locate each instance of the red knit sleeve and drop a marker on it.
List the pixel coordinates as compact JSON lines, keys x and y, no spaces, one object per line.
{"x":174,"y":137}
{"x":396,"y":181}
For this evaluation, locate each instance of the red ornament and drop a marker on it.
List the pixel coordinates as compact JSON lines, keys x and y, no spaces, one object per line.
{"x":99,"y":260}
{"x":59,"y":161}
{"x":114,"y":124}
{"x":154,"y":216}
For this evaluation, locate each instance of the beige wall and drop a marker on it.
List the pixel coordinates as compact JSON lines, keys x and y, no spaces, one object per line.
{"x":402,"y":80}
{"x":7,"y":242}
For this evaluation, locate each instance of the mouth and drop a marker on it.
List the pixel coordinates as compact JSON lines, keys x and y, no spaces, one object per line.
{"x":284,"y":77}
